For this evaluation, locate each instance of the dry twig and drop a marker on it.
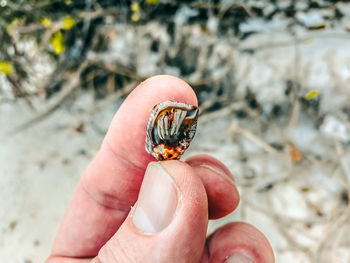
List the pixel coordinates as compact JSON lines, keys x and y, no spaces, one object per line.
{"x":236,"y":129}
{"x":61,"y":97}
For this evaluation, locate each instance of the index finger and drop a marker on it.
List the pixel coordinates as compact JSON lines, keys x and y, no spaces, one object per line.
{"x":110,"y":185}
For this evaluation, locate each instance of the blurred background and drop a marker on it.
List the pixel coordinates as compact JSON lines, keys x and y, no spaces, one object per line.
{"x":272,"y":79}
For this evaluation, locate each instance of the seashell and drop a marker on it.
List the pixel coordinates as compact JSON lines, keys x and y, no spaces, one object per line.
{"x":170,"y":129}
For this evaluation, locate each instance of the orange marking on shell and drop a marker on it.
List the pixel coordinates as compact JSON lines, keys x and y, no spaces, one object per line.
{"x":171,"y":116}
{"x":167,"y":152}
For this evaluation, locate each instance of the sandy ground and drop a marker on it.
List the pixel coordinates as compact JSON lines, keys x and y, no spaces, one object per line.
{"x":39,"y":170}
{"x":301,"y":205}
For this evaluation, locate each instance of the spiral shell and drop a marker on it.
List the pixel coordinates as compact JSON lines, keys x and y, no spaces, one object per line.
{"x":170,"y":129}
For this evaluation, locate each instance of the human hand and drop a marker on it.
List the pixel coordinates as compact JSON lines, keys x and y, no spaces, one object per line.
{"x":169,"y":221}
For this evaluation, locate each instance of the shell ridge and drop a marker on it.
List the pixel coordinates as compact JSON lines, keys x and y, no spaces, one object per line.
{"x":170,"y":129}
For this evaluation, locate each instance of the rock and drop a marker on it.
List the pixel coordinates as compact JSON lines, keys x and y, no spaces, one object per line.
{"x":183,"y":14}
{"x":310,"y":19}
{"x":335,"y":128}
{"x":212,"y":24}
{"x":344,"y":8}
{"x":279,"y":22}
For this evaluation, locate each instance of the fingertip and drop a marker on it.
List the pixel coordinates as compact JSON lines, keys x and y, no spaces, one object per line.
{"x":190,"y":216}
{"x":127,"y":132}
{"x":223,"y":196}
{"x":239,"y":239}
{"x":173,"y":82}
{"x":175,"y":89}
{"x":193,"y":205}
{"x":176,"y":232}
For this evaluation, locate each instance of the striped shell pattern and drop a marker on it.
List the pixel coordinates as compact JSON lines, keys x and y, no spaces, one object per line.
{"x":170,"y":129}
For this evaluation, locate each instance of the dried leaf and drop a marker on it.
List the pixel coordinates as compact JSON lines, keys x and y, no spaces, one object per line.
{"x":295,"y":154}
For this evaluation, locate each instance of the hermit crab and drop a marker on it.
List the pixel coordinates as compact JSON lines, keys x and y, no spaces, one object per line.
{"x":170,"y":129}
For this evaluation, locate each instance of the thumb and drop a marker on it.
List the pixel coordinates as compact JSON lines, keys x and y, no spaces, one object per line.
{"x":169,"y":221}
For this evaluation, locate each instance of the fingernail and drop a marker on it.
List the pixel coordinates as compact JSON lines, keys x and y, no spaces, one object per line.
{"x":239,"y":258}
{"x":220,"y":169}
{"x":157,"y":201}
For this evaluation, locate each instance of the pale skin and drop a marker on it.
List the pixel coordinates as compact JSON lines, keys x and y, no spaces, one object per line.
{"x":98,"y":226}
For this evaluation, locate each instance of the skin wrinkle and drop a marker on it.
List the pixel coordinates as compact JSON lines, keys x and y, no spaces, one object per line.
{"x":142,"y":159}
{"x":109,"y":249}
{"x":96,"y":260}
{"x":122,"y":208}
{"x":68,"y":259}
{"x":121,"y":157}
{"x":113,"y":202}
